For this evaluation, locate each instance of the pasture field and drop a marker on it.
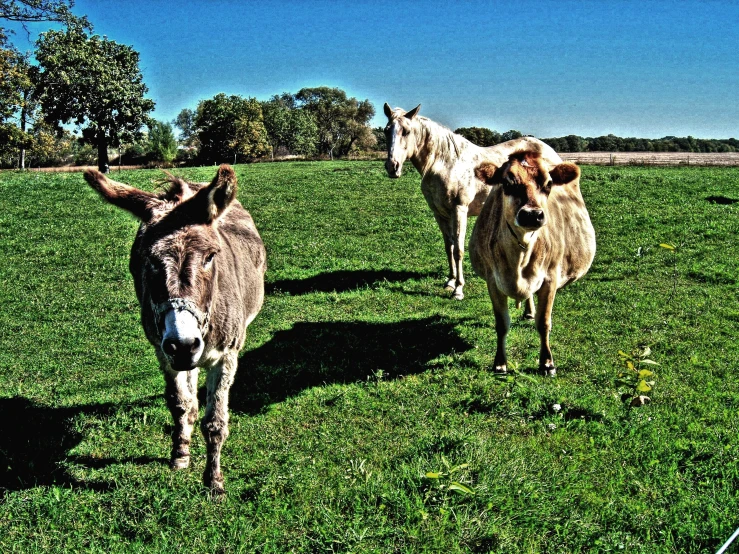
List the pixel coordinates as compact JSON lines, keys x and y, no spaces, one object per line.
{"x":364,"y":417}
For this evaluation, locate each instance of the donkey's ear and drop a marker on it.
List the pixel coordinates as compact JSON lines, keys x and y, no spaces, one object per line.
{"x":221,"y":192}
{"x":388,"y":110}
{"x":564,"y":173}
{"x":138,"y":202}
{"x":413,"y":113}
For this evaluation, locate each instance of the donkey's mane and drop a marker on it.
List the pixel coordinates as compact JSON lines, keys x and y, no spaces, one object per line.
{"x":172,"y":187}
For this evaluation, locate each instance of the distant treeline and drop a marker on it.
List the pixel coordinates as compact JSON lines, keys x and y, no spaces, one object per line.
{"x":608,"y":143}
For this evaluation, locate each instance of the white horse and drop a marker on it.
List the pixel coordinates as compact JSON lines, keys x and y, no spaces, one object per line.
{"x":447,"y":162}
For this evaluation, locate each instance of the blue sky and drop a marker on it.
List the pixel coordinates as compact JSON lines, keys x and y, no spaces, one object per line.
{"x":547,"y":68}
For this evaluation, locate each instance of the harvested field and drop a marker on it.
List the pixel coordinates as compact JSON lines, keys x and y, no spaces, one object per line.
{"x":652,"y":158}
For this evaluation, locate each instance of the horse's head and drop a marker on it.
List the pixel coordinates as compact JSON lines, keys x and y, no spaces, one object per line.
{"x":175,"y":256}
{"x":401,"y":141}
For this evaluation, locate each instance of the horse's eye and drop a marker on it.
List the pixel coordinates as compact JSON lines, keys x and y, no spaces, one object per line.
{"x":406,"y":132}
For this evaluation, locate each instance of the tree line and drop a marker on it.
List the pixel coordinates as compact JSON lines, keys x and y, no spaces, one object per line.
{"x":92,"y":84}
{"x":607,"y":143}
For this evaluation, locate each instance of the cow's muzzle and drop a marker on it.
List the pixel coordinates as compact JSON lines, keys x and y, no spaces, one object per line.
{"x":531,"y":218}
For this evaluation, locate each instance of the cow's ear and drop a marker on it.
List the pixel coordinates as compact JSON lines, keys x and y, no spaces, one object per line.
{"x":413,"y":113}
{"x":489,"y":173}
{"x":140,"y":203}
{"x":564,"y":173}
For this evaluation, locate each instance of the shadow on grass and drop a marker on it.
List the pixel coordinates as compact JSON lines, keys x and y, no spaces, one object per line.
{"x":313,"y":354}
{"x":724,"y":200}
{"x":339,"y":281}
{"x":35,"y":439}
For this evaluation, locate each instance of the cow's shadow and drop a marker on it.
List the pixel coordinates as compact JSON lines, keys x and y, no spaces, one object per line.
{"x":316,"y":353}
{"x":339,"y":281}
{"x":35,"y":441}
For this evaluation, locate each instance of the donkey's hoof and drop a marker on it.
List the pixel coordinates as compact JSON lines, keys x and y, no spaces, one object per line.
{"x":179,"y":462}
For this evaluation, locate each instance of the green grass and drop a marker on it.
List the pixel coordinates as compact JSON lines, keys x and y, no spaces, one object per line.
{"x":360,"y":377}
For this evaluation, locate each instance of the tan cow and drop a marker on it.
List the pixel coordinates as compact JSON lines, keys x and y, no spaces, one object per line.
{"x":533,"y":236}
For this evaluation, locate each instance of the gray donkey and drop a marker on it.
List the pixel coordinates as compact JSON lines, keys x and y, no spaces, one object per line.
{"x":198,"y":267}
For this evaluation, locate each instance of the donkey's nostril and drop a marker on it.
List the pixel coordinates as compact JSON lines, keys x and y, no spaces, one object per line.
{"x":170,"y":347}
{"x":195,"y":345}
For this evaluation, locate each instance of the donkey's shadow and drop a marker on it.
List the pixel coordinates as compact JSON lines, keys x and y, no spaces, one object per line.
{"x":317,"y":353}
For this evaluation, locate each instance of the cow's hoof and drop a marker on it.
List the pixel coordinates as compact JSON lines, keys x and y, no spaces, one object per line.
{"x":529,"y":316}
{"x":451,"y":284}
{"x":549,"y":371}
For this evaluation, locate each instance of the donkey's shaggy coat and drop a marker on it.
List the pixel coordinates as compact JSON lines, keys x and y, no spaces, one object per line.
{"x":198,"y":267}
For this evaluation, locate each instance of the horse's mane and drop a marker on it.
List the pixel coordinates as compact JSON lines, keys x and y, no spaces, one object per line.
{"x":440,"y":140}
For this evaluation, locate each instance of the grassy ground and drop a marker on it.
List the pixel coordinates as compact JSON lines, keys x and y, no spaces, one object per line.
{"x":364,"y":416}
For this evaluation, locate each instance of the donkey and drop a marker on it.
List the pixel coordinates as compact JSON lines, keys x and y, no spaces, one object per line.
{"x":198,"y":267}
{"x":534,"y":235}
{"x":447,"y":162}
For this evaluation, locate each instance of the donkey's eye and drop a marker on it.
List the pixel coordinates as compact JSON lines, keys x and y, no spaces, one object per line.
{"x":208,"y":259}
{"x":153,"y":266}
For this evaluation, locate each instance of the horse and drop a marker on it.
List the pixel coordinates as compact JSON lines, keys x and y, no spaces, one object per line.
{"x":447,"y":162}
{"x":198,"y":267}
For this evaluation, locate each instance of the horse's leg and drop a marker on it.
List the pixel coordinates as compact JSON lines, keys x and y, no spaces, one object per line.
{"x":459,"y":230}
{"x":544,"y":324}
{"x":181,"y":392}
{"x":215,"y":421}
{"x":444,"y":226}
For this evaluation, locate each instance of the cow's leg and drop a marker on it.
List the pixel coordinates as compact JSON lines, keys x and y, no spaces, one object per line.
{"x":459,"y":230}
{"x":529,"y":310}
{"x":502,"y":325}
{"x":181,"y":392}
{"x":445,"y":227}
{"x":215,"y":421}
{"x":544,"y":324}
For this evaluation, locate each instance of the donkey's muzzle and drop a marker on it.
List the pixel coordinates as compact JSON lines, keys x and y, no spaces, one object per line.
{"x":182,"y":352}
{"x":182,"y":333}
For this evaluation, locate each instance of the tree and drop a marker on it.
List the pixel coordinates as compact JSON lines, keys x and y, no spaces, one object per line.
{"x":229,"y":128}
{"x":162,"y":142}
{"x":342,"y":122}
{"x":94,"y":82}
{"x":480,"y":136}
{"x":510,"y":135}
{"x":33,"y":11}
{"x":289,"y":128}
{"x":185,"y":122}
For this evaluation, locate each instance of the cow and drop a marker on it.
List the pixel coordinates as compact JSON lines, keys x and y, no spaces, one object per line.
{"x":533,"y":236}
{"x":198,"y":267}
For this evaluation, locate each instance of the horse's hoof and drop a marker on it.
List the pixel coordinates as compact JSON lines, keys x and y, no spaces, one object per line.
{"x":500,"y":369}
{"x":458,"y":293}
{"x":451,"y":284}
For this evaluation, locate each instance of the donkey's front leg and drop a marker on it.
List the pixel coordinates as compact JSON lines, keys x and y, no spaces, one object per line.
{"x":459,"y":230}
{"x":215,"y":422}
{"x":180,"y":390}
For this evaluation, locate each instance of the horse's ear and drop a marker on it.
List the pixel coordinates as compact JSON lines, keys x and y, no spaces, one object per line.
{"x":388,"y":110}
{"x":138,"y":202}
{"x":220,"y":193}
{"x":564,"y":173}
{"x":413,"y":113}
